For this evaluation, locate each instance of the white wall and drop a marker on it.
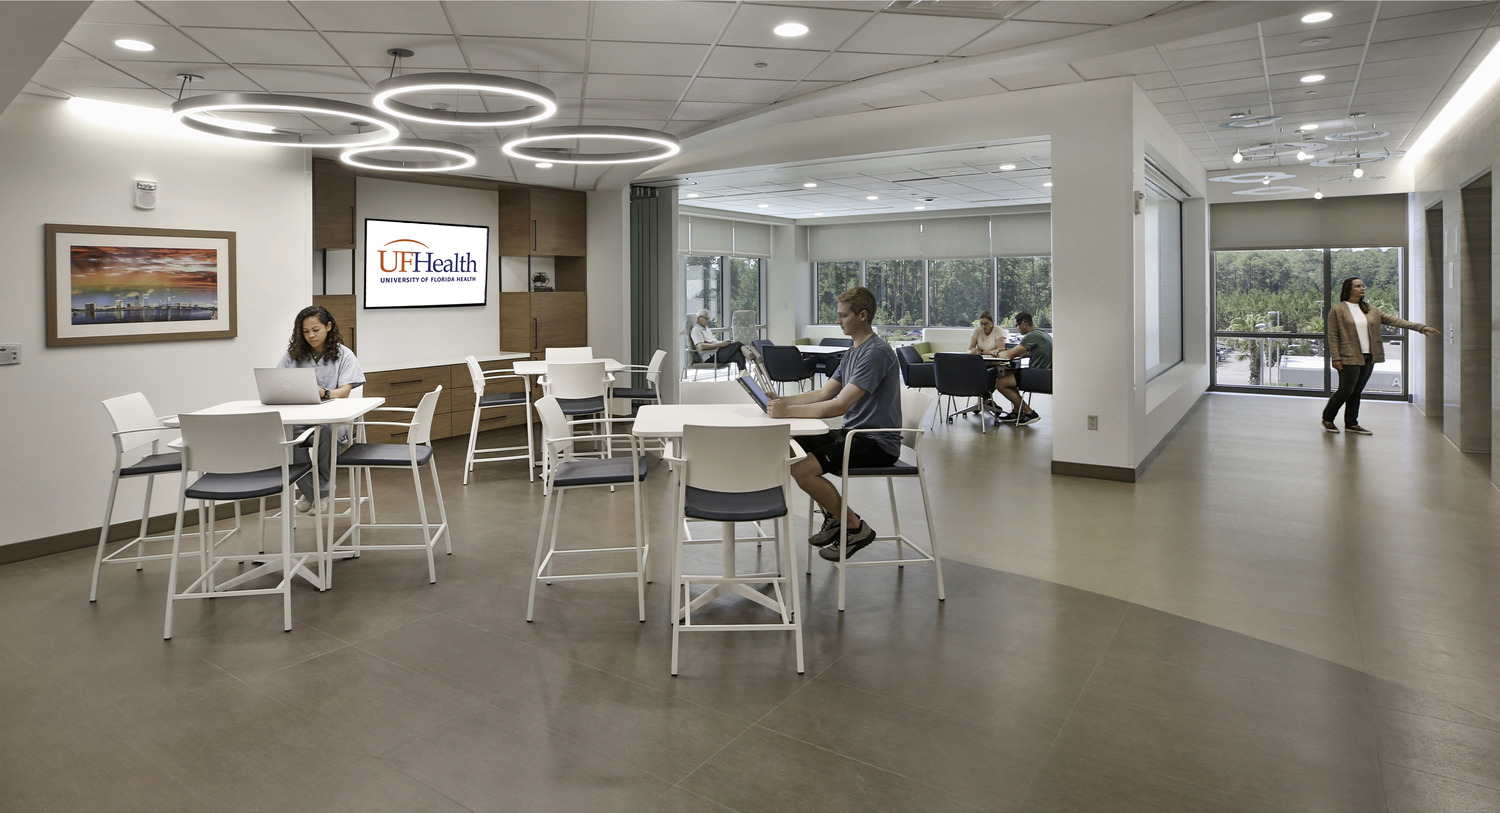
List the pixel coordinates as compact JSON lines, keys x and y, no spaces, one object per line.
{"x":1469,"y":150}
{"x":609,"y":272}
{"x":57,"y":169}
{"x":401,"y":334}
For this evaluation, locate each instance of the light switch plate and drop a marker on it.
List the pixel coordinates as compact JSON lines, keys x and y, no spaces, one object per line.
{"x":10,"y":354}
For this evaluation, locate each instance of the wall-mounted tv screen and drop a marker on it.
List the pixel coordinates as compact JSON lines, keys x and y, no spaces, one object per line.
{"x":425,"y":265}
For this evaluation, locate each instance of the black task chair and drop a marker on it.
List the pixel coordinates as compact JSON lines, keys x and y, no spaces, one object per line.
{"x":963,"y":375}
{"x":1032,"y":380}
{"x":826,"y":364}
{"x":916,"y":373}
{"x":784,"y":364}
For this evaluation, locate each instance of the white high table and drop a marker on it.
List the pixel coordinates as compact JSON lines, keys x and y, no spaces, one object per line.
{"x":656,"y":421}
{"x":332,"y":411}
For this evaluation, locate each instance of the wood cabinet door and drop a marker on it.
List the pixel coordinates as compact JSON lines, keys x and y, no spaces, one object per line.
{"x":561,"y":318}
{"x":516,"y":328}
{"x":333,"y":205}
{"x":559,"y":220}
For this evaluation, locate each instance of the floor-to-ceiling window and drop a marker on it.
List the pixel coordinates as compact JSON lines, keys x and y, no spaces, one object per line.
{"x":913,"y":294}
{"x":707,"y":278}
{"x":1269,"y":311}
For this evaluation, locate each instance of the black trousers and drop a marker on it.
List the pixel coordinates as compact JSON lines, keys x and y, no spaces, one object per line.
{"x":1352,"y":381}
{"x":731,"y":353}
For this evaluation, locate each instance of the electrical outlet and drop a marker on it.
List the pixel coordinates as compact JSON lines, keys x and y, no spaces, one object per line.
{"x":10,"y":354}
{"x":1093,"y":421}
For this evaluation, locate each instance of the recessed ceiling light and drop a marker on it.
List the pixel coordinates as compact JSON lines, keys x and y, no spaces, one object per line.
{"x":1318,"y":17}
{"x":1308,"y":127}
{"x":691,"y":195}
{"x":1007,"y":167}
{"x":791,"y":30}
{"x":817,"y":214}
{"x":1317,"y":196}
{"x":762,"y":65}
{"x":135,"y":45}
{"x":1049,"y":183}
{"x":763,"y":206}
{"x":919,"y":208}
{"x":872,"y":197}
{"x":544,"y":165}
{"x":809,"y":186}
{"x":1313,"y":77}
{"x":1315,"y":41}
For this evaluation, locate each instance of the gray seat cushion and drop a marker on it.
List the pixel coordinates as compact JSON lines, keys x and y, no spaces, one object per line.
{"x":154,"y":464}
{"x":382,"y":454}
{"x":741,"y":506}
{"x":245,"y":485}
{"x":610,"y":471}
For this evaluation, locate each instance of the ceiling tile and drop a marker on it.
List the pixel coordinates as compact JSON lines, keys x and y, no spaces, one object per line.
{"x":715,"y":111}
{"x":384,"y":16}
{"x":1434,"y":68}
{"x":842,"y":67}
{"x":506,"y":54}
{"x":1457,"y":42}
{"x":620,"y":86}
{"x":1155,"y":81}
{"x":736,"y":90}
{"x":646,"y":57}
{"x":1310,"y":61}
{"x":303,"y":79}
{"x":121,"y":13}
{"x":1421,"y":25}
{"x":1246,"y":50}
{"x":827,"y":28}
{"x":1036,"y":79}
{"x":627,"y":109}
{"x":216,"y":77}
{"x":1018,"y":33}
{"x":967,"y":90}
{"x":63,"y":73}
{"x":139,"y":97}
{"x":1224,"y":72}
{"x":98,"y":40}
{"x":901,"y":100}
{"x":1144,"y":60}
{"x":549,"y":20}
{"x":803,"y":88}
{"x":686,"y":22}
{"x":248,"y":45}
{"x":916,"y":34}
{"x":431,"y":52}
{"x":728,"y":61}
{"x":230,"y":14}
{"x":1107,"y":12}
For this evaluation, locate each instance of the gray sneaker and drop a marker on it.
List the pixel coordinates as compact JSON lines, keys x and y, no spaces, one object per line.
{"x":826,"y":535}
{"x":859,"y":538}
{"x":1029,"y":418}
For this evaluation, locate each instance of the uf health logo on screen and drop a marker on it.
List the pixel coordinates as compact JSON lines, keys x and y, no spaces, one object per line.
{"x":399,"y":256}
{"x":421,"y":265}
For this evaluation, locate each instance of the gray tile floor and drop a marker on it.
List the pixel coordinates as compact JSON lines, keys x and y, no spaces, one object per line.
{"x":1273,"y":619}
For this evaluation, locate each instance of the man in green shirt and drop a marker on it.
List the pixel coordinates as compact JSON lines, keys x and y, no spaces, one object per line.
{"x":1036,"y":346}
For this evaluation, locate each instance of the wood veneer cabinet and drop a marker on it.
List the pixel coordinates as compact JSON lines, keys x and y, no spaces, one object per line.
{"x":455,"y":409}
{"x":534,"y":321}
{"x":333,"y":205}
{"x":538,"y":220}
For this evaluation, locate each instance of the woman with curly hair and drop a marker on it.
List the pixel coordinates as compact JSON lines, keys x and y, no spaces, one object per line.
{"x":1355,"y":347}
{"x":316,"y":343}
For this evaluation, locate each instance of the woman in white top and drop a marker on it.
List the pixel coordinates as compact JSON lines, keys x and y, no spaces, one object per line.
{"x":710,"y":350}
{"x":316,"y":343}
{"x":1355,"y":347}
{"x":988,"y":340}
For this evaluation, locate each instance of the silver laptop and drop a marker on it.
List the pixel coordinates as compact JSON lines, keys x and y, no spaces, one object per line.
{"x":287,"y":385}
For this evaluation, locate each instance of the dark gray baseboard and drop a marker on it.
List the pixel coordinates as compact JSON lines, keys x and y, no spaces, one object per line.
{"x":118,"y":532}
{"x":1120,"y":474}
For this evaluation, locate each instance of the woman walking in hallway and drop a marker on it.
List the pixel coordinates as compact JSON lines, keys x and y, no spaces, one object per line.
{"x":1354,"y":345}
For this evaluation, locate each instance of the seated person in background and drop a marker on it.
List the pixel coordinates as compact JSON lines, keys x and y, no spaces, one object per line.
{"x":1035,"y":345}
{"x":866,"y":390}
{"x":723,"y":352}
{"x":987,"y":341}
{"x":316,"y":343}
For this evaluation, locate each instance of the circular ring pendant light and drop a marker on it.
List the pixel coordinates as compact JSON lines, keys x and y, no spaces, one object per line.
{"x":659,"y":145}
{"x":387,"y":92}
{"x":186,"y":111}
{"x":451,"y":157}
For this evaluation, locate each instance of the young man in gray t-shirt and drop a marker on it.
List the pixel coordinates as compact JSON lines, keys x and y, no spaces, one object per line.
{"x":866,"y":390}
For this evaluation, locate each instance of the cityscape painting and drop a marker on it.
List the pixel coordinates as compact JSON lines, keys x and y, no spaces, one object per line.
{"x":110,"y":284}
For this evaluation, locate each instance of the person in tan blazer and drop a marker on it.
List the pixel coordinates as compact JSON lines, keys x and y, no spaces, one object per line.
{"x":1354,"y":346}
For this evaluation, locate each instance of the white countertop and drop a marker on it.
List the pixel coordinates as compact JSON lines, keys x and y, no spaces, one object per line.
{"x":407,"y":364}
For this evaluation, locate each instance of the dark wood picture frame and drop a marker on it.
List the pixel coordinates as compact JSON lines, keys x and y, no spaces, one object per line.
{"x":152,"y":253}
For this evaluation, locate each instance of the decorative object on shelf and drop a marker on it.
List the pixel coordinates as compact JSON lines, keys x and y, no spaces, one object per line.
{"x":114,"y":284}
{"x":659,"y":145}
{"x":541,"y":282}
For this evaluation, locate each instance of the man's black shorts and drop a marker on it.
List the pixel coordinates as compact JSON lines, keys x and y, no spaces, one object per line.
{"x":828,"y":450}
{"x":1035,"y":379}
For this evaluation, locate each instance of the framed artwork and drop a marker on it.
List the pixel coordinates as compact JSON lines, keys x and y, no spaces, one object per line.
{"x":112,"y":284}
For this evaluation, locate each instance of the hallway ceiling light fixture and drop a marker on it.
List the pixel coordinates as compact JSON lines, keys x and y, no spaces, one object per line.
{"x":1308,"y":127}
{"x":1318,"y":17}
{"x":135,"y":45}
{"x":1356,"y":135}
{"x":1357,"y":158}
{"x":790,"y":30}
{"x":1359,"y":171}
{"x":191,"y":112}
{"x":872,"y":197}
{"x":1007,"y":167}
{"x":691,"y":195}
{"x":659,"y":145}
{"x":1269,"y":190}
{"x":543,"y":102}
{"x":449,"y":157}
{"x":1253,"y":177}
{"x":1318,"y":195}
{"x":548,"y":165}
{"x":1245,"y":121}
{"x":1315,"y":41}
{"x":1047,"y":184}
{"x":809,"y":186}
{"x":1238,"y":156}
{"x":1312,"y":77}
{"x":762,"y":205}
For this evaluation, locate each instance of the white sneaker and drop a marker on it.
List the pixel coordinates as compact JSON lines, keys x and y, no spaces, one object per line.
{"x":324,"y":506}
{"x":303,"y":505}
